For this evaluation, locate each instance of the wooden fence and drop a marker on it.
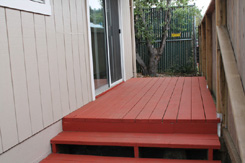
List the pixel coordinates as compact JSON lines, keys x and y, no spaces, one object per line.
{"x":222,"y":56}
{"x":178,"y":54}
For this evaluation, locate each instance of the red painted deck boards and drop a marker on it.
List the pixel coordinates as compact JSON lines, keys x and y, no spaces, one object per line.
{"x":150,"y":106}
{"x":116,"y":100}
{"x":152,"y":100}
{"x":185,"y":109}
{"x":110,"y":99}
{"x":193,"y":141}
{"x":161,"y":107}
{"x":124,"y":109}
{"x":110,"y":113}
{"x":132,"y":114}
{"x":209,"y":106}
{"x":196,"y":102}
{"x":173,"y":106}
{"x":66,"y":158}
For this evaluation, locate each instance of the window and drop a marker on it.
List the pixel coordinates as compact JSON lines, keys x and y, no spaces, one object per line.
{"x":36,"y":6}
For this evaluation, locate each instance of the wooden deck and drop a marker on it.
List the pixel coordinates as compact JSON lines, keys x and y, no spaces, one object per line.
{"x":171,"y":112}
{"x":156,"y":101}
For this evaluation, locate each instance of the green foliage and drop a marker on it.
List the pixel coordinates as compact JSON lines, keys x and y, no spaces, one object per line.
{"x":188,"y":68}
{"x":144,"y":23}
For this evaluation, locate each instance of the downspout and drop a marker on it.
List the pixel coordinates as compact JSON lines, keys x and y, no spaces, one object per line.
{"x":133,"y":38}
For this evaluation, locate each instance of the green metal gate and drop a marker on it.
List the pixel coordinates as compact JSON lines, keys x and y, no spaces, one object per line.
{"x":178,"y":51}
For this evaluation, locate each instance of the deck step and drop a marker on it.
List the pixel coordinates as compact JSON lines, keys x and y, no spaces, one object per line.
{"x":190,"y":141}
{"x":116,"y":125}
{"x":65,"y":158}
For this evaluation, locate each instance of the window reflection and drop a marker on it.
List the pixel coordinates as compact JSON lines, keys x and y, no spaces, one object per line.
{"x":98,"y":35}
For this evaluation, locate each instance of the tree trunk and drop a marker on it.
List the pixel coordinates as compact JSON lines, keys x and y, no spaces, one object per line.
{"x":142,"y":65}
{"x":153,"y":63}
{"x":155,"y":53}
{"x":154,"y":58}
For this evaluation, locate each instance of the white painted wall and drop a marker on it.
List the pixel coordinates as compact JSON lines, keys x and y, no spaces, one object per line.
{"x":34,"y":149}
{"x":44,"y":70}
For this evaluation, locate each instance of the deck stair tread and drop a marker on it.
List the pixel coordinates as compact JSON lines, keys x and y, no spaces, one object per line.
{"x":65,"y":158}
{"x":200,"y":141}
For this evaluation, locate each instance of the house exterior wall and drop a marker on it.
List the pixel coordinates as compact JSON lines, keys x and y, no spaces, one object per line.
{"x":45,"y":68}
{"x":33,"y":149}
{"x":46,"y":73}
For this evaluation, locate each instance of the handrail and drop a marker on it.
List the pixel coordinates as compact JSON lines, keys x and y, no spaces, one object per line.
{"x":235,"y":88}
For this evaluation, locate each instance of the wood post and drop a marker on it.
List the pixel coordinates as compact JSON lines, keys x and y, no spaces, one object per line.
{"x":218,"y":63}
{"x":200,"y":49}
{"x":223,"y":95}
{"x":210,"y":154}
{"x":220,"y":7}
{"x":54,"y":148}
{"x":208,"y":23}
{"x":221,"y":87}
{"x":136,"y":152}
{"x":203,"y":49}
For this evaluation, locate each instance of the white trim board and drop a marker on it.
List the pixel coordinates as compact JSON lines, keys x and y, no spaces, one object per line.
{"x":90,"y":51}
{"x":123,"y":65}
{"x":28,"y":5}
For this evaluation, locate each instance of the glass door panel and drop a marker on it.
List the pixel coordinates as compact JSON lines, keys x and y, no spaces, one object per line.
{"x":114,"y":40}
{"x":98,"y":37}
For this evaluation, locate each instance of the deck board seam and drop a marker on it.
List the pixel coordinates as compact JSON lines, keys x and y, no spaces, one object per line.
{"x":180,"y":99}
{"x":141,"y":98}
{"x":127,"y":101}
{"x":160,"y":98}
{"x":202,"y":99}
{"x":131,"y":89}
{"x":121,"y":107}
{"x":115,"y":97}
{"x":163,"y":82}
{"x":170,"y":98}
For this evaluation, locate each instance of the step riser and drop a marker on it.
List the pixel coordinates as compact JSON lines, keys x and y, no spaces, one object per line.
{"x":55,"y":148}
{"x":188,"y":128}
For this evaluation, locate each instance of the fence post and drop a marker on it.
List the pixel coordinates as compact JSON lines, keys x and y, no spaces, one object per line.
{"x":221,"y":88}
{"x":203,"y":49}
{"x":208,"y":23}
{"x":200,"y":49}
{"x":194,"y":44}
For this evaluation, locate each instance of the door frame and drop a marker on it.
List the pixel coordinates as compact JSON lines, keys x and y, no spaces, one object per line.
{"x":121,"y":51}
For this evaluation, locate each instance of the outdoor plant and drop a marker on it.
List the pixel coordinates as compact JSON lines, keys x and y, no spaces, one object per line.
{"x":174,"y":14}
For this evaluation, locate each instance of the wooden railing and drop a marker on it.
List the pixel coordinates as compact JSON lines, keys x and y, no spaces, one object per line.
{"x":228,"y":80}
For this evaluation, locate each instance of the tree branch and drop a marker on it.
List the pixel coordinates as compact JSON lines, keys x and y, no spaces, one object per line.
{"x":167,"y":21}
{"x":148,"y":42}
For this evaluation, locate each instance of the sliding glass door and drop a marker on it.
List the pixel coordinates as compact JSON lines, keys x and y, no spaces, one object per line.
{"x":105,"y":36}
